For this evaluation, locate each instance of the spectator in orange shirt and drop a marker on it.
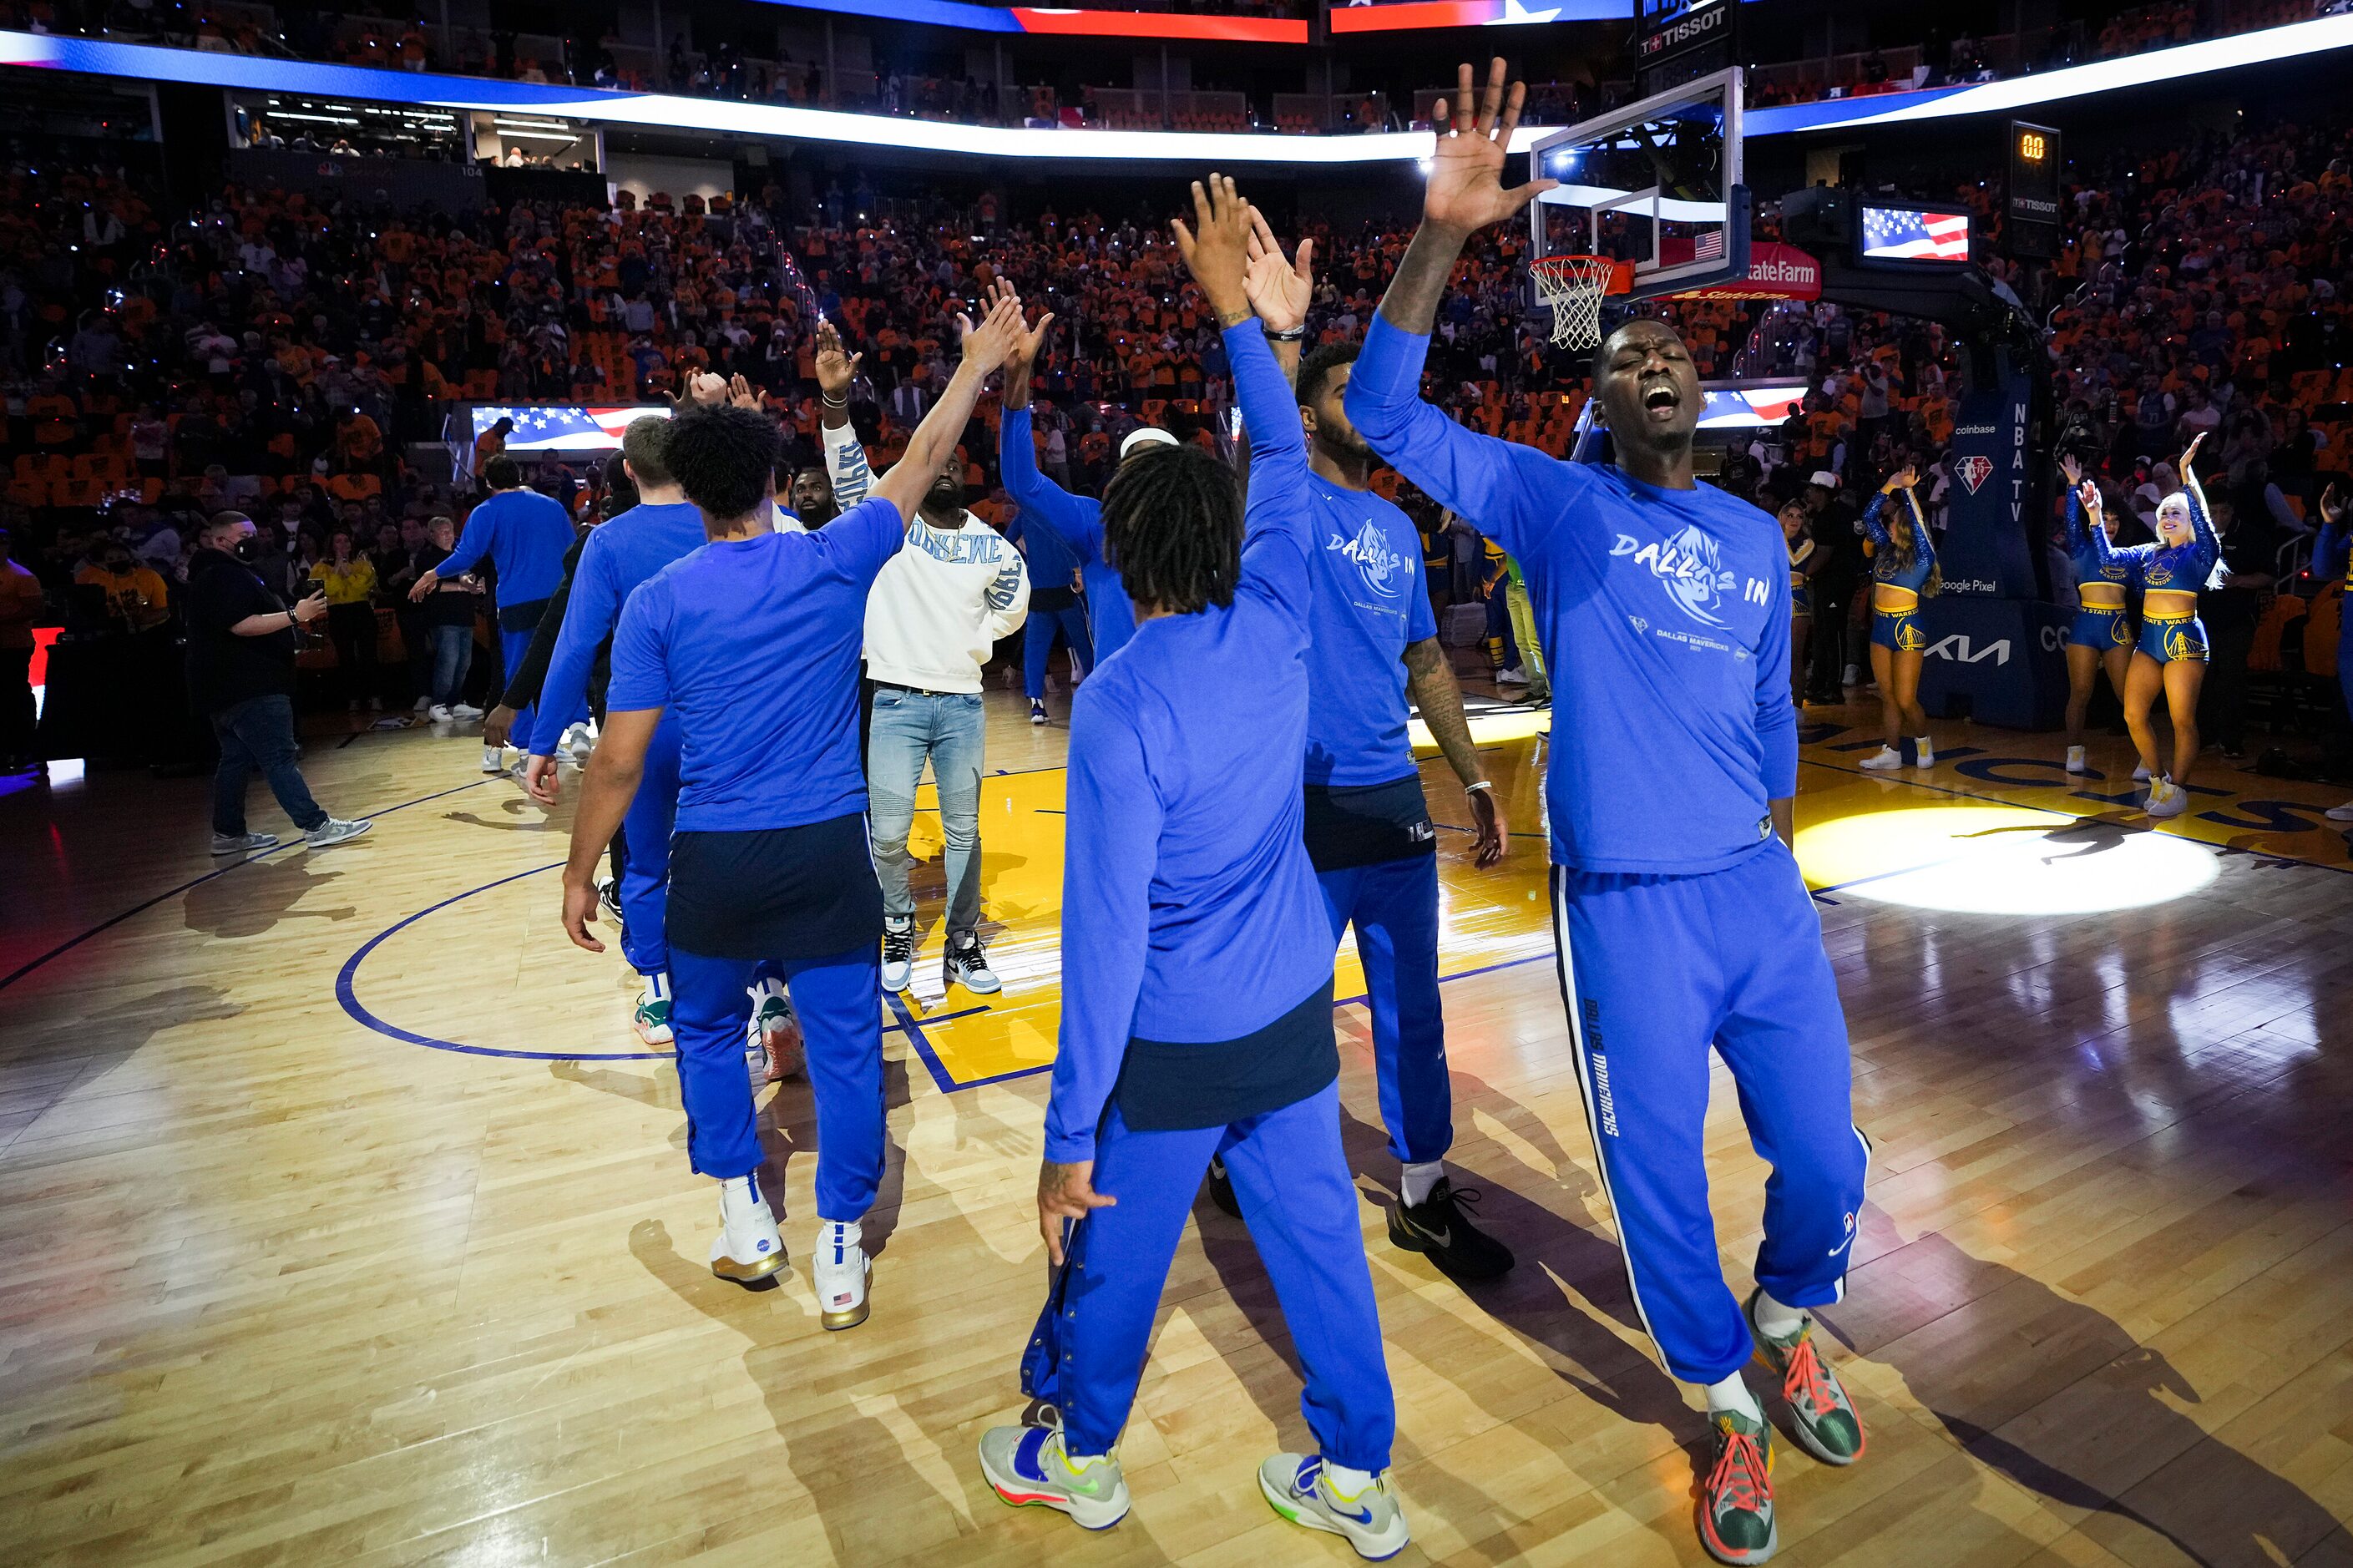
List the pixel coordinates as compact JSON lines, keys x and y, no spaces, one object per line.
{"x":136,"y":597}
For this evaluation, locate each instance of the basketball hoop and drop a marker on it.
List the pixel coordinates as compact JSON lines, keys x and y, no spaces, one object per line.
{"x":1574,"y":286}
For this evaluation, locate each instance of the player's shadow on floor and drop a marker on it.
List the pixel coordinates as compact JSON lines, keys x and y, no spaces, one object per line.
{"x":55,"y":1061}
{"x":259,"y":895}
{"x":517,"y":814}
{"x":2062,"y":1400}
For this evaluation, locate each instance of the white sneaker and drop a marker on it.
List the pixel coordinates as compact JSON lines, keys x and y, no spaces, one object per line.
{"x":1923,"y":753}
{"x":493,"y":759}
{"x":466,"y":711}
{"x":576,"y":742}
{"x":440,"y":713}
{"x":1885,"y":759}
{"x":2341,"y":812}
{"x":1854,"y":677}
{"x":651,"y":1019}
{"x":335,"y":831}
{"x":2166,"y":798}
{"x":1301,"y":1489}
{"x":2140,"y":774}
{"x":1515,"y":675}
{"x":422,"y":705}
{"x":839,"y":1269}
{"x":2075,"y":762}
{"x":748,"y":1248}
{"x":1030,"y":1465}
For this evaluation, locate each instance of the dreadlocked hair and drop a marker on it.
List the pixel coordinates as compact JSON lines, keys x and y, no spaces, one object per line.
{"x":1172,"y":521}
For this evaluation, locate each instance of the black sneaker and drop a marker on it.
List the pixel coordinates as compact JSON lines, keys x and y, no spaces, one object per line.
{"x":1440,"y":1228}
{"x":1221,"y":1189}
{"x":966,"y":964}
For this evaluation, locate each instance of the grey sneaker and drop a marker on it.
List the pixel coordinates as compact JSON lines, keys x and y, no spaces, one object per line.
{"x":898,"y":954}
{"x":968,"y":965}
{"x":1026,"y":1465}
{"x":1302,"y":1492}
{"x":243,"y":843}
{"x":335,"y":831}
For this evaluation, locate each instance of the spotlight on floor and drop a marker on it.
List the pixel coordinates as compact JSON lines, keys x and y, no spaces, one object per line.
{"x":2000,"y":860}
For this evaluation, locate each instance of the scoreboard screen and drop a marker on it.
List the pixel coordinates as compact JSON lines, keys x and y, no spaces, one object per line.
{"x":2033,"y":209}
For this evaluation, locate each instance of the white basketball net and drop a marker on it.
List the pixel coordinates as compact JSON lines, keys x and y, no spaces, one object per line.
{"x":1574,"y":286}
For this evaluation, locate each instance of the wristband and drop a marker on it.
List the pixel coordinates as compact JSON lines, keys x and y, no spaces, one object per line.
{"x":1288,"y":334}
{"x":1487,"y":785}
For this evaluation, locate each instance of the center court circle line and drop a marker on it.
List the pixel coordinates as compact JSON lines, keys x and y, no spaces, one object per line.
{"x":348,"y":995}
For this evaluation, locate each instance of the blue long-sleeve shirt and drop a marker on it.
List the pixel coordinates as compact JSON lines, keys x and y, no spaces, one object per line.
{"x":1076,"y":521}
{"x":525,"y":535}
{"x":1884,"y":565}
{"x":1370,"y":605}
{"x":614,"y":560}
{"x":1672,"y":726}
{"x":1190,"y":911}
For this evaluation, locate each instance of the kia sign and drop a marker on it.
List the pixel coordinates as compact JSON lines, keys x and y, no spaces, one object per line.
{"x":1995,"y":661}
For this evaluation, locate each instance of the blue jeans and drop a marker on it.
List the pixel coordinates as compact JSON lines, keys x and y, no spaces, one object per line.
{"x":453,"y":656}
{"x":1037,"y":634}
{"x":910,"y":726}
{"x":259,"y":733}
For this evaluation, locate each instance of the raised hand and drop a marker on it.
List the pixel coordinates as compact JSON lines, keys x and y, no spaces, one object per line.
{"x":835,"y":367}
{"x":2190,"y":456}
{"x":1465,"y":187}
{"x":1217,"y":246}
{"x":1032,"y":341}
{"x":1902,"y":479}
{"x":2088,"y":492}
{"x":2332,"y":506}
{"x":743,"y":395}
{"x":707,"y":389}
{"x":989,"y":343}
{"x":2072,"y":469}
{"x":1279,"y":290}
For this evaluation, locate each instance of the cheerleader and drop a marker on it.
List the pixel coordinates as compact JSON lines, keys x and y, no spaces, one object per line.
{"x":1904,"y":572}
{"x":2170,"y":654}
{"x":2102,"y":634}
{"x":1805,"y":560}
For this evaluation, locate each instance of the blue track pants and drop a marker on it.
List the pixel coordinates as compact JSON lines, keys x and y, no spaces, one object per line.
{"x":841,"y":1027}
{"x":1653,"y":969}
{"x":1037,"y":645}
{"x":1394,"y":907}
{"x":645,"y":862}
{"x":1296,"y":1196}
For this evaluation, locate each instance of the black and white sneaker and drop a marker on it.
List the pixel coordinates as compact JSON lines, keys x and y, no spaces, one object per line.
{"x":898,"y":954}
{"x":1038,"y":714}
{"x":967,"y":965}
{"x":1440,"y":1228}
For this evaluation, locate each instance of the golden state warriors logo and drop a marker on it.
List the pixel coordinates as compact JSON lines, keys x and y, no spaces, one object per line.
{"x":1376,"y":561}
{"x":1688,"y":567}
{"x":2180,"y":643}
{"x":1909,"y":635}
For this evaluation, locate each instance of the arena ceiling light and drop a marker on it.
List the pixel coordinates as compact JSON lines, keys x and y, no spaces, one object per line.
{"x":151,"y":63}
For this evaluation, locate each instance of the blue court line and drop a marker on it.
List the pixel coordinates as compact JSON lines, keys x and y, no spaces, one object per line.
{"x":111,"y":921}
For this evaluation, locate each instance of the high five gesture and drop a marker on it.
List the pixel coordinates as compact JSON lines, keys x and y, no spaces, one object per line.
{"x":1465,"y":188}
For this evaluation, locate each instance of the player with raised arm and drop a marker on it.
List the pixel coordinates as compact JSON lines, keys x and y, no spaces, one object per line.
{"x":751,"y":643}
{"x":1368,"y":829}
{"x":1196,"y":1017}
{"x":1680,"y":917}
{"x":1077,"y":520}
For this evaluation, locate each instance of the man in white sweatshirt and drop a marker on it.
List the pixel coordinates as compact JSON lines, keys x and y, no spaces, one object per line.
{"x":933,"y":615}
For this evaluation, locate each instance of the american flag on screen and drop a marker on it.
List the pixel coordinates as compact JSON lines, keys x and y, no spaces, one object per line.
{"x":1897,"y":235}
{"x":562,"y":428}
{"x":1708,"y":246}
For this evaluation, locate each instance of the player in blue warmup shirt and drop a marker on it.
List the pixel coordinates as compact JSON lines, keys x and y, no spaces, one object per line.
{"x":1076,"y":520}
{"x":525,"y":535}
{"x":749,"y":646}
{"x":1903,"y":573}
{"x":2101,"y":636}
{"x":1197,"y":1013}
{"x":1055,"y":611}
{"x":614,"y":558}
{"x":1680,"y":917}
{"x":2170,"y":656}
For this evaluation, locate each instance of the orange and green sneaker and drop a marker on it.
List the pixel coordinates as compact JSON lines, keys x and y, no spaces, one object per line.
{"x":1825,"y":1419}
{"x":1735,"y":1500}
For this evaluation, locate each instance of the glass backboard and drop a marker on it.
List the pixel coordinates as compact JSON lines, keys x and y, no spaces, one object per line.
{"x":1656,"y":183}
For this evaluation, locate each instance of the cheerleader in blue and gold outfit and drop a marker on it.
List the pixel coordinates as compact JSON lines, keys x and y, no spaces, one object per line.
{"x":1805,"y":559}
{"x":2171,"y":653}
{"x":2102,"y":634}
{"x":1904,"y":572}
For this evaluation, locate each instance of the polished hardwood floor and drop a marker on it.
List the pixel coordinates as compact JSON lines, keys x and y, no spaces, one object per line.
{"x":344,"y":1222}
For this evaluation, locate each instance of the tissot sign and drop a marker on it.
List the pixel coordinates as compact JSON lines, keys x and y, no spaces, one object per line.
{"x":1663,"y":28}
